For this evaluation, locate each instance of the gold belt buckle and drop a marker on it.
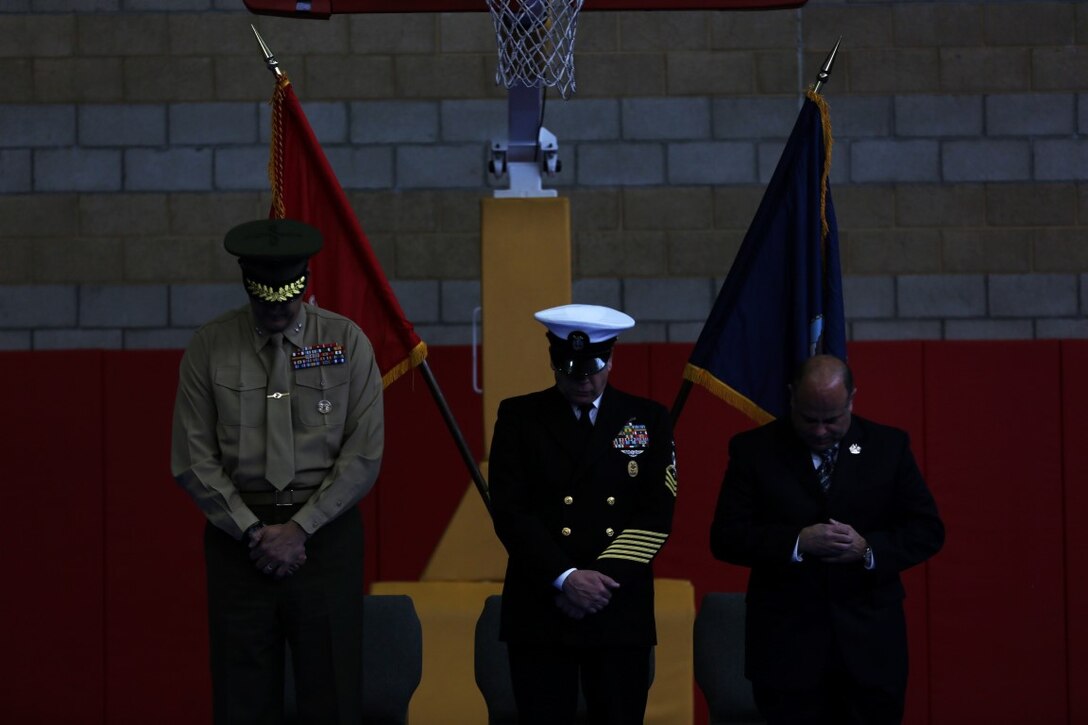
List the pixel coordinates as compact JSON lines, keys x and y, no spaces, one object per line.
{"x":290,"y":497}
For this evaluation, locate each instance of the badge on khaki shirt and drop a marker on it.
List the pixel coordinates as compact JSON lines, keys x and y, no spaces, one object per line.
{"x":632,"y":440}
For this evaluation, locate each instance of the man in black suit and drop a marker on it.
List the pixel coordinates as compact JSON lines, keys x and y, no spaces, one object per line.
{"x":582,"y":479}
{"x":826,"y":508}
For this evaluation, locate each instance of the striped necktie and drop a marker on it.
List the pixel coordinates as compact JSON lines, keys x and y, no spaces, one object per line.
{"x":827,"y":468}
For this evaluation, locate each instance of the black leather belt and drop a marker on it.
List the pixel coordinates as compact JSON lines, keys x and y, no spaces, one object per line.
{"x":286,"y":497}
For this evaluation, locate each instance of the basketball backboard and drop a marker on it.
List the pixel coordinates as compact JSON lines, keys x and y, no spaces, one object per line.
{"x":325,"y":8}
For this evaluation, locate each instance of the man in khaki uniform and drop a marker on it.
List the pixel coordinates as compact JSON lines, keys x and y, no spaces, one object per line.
{"x":278,"y":433}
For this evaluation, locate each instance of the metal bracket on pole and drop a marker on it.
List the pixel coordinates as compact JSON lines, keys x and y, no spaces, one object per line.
{"x":530,"y":149}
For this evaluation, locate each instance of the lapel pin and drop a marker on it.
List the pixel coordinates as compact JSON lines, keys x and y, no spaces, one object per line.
{"x":855,"y":448}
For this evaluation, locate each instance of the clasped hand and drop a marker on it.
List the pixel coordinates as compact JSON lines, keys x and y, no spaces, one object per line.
{"x":585,"y":592}
{"x":278,"y":549}
{"x":834,"y":542}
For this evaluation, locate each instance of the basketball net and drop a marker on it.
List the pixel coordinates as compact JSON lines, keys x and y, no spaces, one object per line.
{"x":535,"y":40}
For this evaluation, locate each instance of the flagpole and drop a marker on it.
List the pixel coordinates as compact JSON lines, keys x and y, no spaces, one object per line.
{"x":685,"y":387}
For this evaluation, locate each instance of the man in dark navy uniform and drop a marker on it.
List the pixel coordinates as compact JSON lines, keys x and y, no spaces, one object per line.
{"x":582,"y":483}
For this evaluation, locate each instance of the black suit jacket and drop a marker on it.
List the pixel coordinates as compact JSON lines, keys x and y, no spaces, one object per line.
{"x":559,"y":502}
{"x":803,"y":614}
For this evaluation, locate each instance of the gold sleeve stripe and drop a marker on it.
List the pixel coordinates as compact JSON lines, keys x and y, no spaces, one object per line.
{"x":657,"y":535}
{"x":635,"y":545}
{"x":670,"y":479}
{"x":639,"y":559}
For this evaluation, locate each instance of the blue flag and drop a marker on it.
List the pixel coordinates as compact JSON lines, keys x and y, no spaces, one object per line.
{"x":782,"y":300}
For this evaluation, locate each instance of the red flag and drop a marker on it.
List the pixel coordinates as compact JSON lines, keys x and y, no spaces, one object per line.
{"x":345,"y":275}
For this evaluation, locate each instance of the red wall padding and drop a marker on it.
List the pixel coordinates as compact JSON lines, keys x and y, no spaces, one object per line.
{"x":997,"y":596}
{"x":108,"y":608}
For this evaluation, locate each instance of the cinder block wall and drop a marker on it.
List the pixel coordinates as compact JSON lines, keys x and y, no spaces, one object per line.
{"x":133,"y":133}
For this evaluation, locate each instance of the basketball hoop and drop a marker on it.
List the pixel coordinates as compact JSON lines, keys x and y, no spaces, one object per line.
{"x":535,"y":40}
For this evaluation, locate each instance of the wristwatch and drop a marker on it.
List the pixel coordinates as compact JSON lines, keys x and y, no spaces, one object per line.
{"x":867,"y":557}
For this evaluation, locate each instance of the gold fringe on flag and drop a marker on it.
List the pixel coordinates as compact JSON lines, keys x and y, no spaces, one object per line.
{"x":705,"y":378}
{"x":415,"y":357}
{"x":275,"y":149}
{"x":825,"y":122}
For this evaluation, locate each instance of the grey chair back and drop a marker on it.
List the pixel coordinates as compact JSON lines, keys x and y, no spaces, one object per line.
{"x":392,"y":660}
{"x":719,"y":660}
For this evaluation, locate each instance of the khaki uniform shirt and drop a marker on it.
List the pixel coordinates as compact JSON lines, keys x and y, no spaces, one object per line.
{"x":218,"y":446}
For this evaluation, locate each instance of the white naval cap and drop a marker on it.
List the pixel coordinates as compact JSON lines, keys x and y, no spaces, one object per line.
{"x":581,"y":336}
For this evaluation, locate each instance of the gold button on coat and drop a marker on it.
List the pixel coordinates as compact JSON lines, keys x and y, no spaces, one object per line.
{"x":568,"y":500}
{"x":609,"y":531}
{"x":611,"y":500}
{"x":566,"y":531}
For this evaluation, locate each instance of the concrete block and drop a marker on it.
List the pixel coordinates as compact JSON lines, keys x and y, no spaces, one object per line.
{"x":190,"y":79}
{"x":647,"y":332}
{"x":869,"y":296}
{"x":35,"y":216}
{"x":986,"y":160}
{"x":971,"y":70}
{"x":439,"y":335}
{"x":698,"y":253}
{"x":35,"y":36}
{"x":393,"y":33}
{"x":442,"y":76}
{"x":926,"y":115}
{"x":987,"y":250}
{"x":205,"y":124}
{"x":989,"y":330}
{"x":120,"y":215}
{"x":18,"y":74}
{"x":211,"y":215}
{"x":122,"y":306}
{"x":584,"y":120}
{"x":777,"y":71}
{"x":1051,"y":68}
{"x":840,"y":164}
{"x":348,"y":77}
{"x":122,"y":125}
{"x":862,"y":116}
{"x":1071,"y":329}
{"x":374,"y":122}
{"x":161,"y":5}
{"x":869,"y":205}
{"x":1033,"y":295}
{"x":940,"y":205}
{"x":78,"y":260}
{"x":479,"y":121}
{"x":15,"y":339}
{"x":37,"y":126}
{"x":678,"y":30}
{"x":628,"y":164}
{"x":896,"y":330}
{"x":168,"y":170}
{"x":1060,"y":250}
{"x":826,"y":22}
{"x":1082,"y":112}
{"x":711,"y":162}
{"x":368,"y":167}
{"x":158,"y":260}
{"x":1031,"y":114}
{"x":734,"y":206}
{"x":445,"y":166}
{"x":896,"y":251}
{"x":747,"y":118}
{"x":128,"y":34}
{"x":157,"y":339}
{"x":891,"y":160}
{"x":595,"y":209}
{"x":1084,"y":294}
{"x":1061,"y":159}
{"x":608,"y":254}
{"x":15,"y":171}
{"x":77,"y":169}
{"x":79,"y":79}
{"x":766,"y":29}
{"x":244,"y":167}
{"x":683,"y":332}
{"x":191,"y":305}
{"x":941,"y":295}
{"x":77,"y":339}
{"x":18,"y":256}
{"x":465,"y":33}
{"x":459,"y":299}
{"x":646,"y":119}
{"x":418,"y":299}
{"x":668,"y":208}
{"x":437,"y":256}
{"x":938,"y":24}
{"x":457,"y":211}
{"x":1031,"y":205}
{"x":892,"y":70}
{"x":597,"y":291}
{"x":1051,"y":23}
{"x":629,"y":74}
{"x":712,"y":73}
{"x":669,"y":299}
{"x":34,"y":306}
{"x":598,"y":33}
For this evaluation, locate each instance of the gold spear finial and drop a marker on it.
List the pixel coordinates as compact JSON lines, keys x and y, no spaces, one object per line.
{"x":825,"y":69}
{"x":269,"y":59}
